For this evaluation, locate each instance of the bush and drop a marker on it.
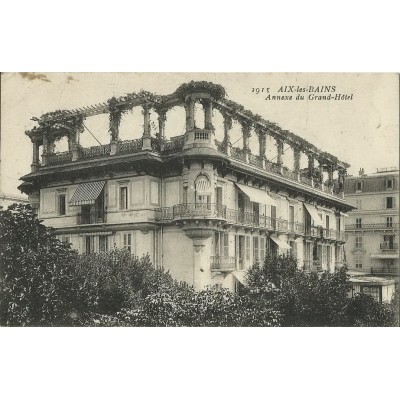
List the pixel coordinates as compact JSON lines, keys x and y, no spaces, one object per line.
{"x":37,"y":281}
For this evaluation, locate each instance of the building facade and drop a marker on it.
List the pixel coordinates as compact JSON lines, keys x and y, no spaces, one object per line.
{"x":373,"y":227}
{"x":200,"y":205}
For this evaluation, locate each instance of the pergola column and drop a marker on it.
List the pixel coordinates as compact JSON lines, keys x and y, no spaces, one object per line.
{"x":146,"y":128}
{"x":321,"y":172}
{"x":75,"y":139}
{"x":330,"y":177}
{"x":189,"y":108}
{"x":246,"y":137}
{"x":162,"y":117}
{"x":311,"y":168}
{"x":262,"y":146}
{"x":208,"y":107}
{"x":279,"y":161}
{"x":296,"y":157}
{"x":341,"y":174}
{"x":227,"y":139}
{"x":35,"y":155}
{"x":45,"y":149}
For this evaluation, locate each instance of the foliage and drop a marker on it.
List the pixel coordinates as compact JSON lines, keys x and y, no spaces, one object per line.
{"x":37,"y":285}
{"x":363,"y":310}
{"x":315,"y":299}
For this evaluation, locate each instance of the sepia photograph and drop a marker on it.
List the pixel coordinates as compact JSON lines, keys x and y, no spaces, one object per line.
{"x":199,"y":199}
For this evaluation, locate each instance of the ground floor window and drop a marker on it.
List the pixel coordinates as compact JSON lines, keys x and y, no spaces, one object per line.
{"x":89,"y":244}
{"x":128,"y":242}
{"x":359,"y":260}
{"x":103,"y":244}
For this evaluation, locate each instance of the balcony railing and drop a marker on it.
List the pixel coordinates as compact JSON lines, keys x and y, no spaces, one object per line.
{"x":176,"y":143}
{"x":198,"y":210}
{"x":385,"y":225}
{"x":238,"y":154}
{"x":296,"y":227}
{"x":222,"y":263}
{"x":255,"y":160}
{"x":96,"y":151}
{"x":387,"y":246}
{"x":202,"y":134}
{"x":391,"y":270}
{"x":59,"y":158}
{"x":93,"y":217}
{"x":130,"y":146}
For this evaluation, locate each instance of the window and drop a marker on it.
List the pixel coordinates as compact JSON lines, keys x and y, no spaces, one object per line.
{"x":65,"y":239}
{"x":89,"y":244}
{"x":389,"y":183}
{"x":185,"y":195}
{"x":359,"y":242}
{"x":293,"y":249}
{"x":217,"y":286}
{"x":128,"y":242}
{"x":389,"y":222}
{"x":359,"y":185}
{"x":61,"y":204}
{"x":262,"y":249}
{"x":327,"y":222}
{"x":248,"y":248}
{"x":103,"y":244}
{"x":226,"y":244}
{"x":359,"y":204}
{"x":373,"y":291}
{"x":358,"y":223}
{"x":359,"y":261}
{"x":389,"y":202}
{"x":123,"y":198}
{"x":255,"y":249}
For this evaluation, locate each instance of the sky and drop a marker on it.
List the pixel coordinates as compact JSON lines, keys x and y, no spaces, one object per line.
{"x":363,"y":131}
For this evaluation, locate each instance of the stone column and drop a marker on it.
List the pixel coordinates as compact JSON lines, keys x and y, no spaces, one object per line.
{"x":262,"y":141}
{"x":45,"y":149}
{"x":75,"y":144}
{"x":189,"y":108}
{"x":227,"y":139}
{"x":279,"y":145}
{"x":311,"y":168}
{"x":246,"y":136}
{"x":341,"y":173}
{"x":330,"y":177}
{"x":207,"y":105}
{"x":296,"y":156}
{"x":146,"y":128}
{"x":321,"y":172}
{"x":35,"y":155}
{"x":162,"y":117}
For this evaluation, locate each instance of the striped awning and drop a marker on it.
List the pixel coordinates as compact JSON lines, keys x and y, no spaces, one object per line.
{"x":87,"y":193}
{"x":256,"y":195}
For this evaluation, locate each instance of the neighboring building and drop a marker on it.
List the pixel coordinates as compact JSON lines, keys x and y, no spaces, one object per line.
{"x":198,"y":205}
{"x":373,"y":228}
{"x":372,"y":249}
{"x":7,"y":199}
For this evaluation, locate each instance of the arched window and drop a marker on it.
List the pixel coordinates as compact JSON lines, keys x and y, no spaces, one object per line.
{"x":202,"y":187}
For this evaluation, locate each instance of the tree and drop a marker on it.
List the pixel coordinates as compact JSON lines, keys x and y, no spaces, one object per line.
{"x":37,"y":285}
{"x":303,"y":298}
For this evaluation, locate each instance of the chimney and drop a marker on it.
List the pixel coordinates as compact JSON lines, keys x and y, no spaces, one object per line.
{"x":361,"y":172}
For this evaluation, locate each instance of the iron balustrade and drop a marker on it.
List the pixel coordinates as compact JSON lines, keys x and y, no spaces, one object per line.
{"x":96,"y":151}
{"x":199,"y":210}
{"x":59,"y":158}
{"x":130,"y":146}
{"x":174,"y":144}
{"x":92,"y":217}
{"x":238,"y":154}
{"x":392,"y":270}
{"x":222,"y":263}
{"x":384,"y":225}
{"x":387,"y":246}
{"x":296,"y":227}
{"x":255,"y":160}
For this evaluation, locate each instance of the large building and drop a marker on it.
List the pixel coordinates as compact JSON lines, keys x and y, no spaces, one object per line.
{"x":206,"y":203}
{"x":373,"y":230}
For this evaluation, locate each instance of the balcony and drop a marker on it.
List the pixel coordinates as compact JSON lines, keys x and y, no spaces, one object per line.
{"x":390,"y":270}
{"x":222,"y":263}
{"x":388,"y":246}
{"x":385,"y":225}
{"x":198,"y":210}
{"x":93,"y":217}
